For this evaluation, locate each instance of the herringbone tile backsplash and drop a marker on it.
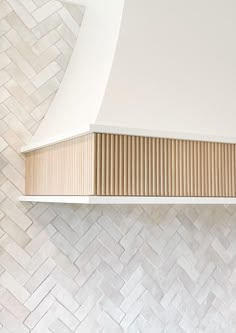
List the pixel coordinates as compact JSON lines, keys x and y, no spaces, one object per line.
{"x":90,"y":269}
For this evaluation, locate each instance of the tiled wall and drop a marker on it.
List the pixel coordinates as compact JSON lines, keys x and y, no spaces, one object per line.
{"x":87,"y":269}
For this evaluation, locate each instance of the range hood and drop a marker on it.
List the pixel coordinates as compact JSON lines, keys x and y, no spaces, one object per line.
{"x":146,"y":110}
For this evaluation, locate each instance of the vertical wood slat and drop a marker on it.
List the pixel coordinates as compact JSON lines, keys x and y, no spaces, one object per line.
{"x":216,"y":164}
{"x":199,"y":168}
{"x":165,"y":171}
{"x":129,"y":165}
{"x":233,"y":170}
{"x":226,"y":170}
{"x":223,"y":170}
{"x":181,"y":167}
{"x":66,"y":168}
{"x":169,"y":167}
{"x":162,"y":168}
{"x":142,"y":167}
{"x":220,"y":169}
{"x":116,"y":169}
{"x":150,"y":172}
{"x":98,"y":165}
{"x":112,"y":164}
{"x":191,"y":151}
{"x":154,"y":167}
{"x":173,"y":170}
{"x":134,"y":171}
{"x":138,"y":166}
{"x":213,"y":177}
{"x":177,"y":167}
{"x":184,"y":179}
{"x":112,"y":176}
{"x":230,"y":171}
{"x":108,"y":165}
{"x":103,"y":167}
{"x":146,"y":166}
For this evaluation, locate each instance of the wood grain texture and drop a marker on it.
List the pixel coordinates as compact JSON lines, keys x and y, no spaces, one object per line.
{"x":66,"y":168}
{"x":166,"y":167}
{"x":108,"y":164}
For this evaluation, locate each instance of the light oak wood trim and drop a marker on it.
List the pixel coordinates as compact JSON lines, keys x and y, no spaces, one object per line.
{"x":115,"y":164}
{"x":66,"y":168}
{"x":121,"y":165}
{"x":134,"y":171}
{"x":167,"y":167}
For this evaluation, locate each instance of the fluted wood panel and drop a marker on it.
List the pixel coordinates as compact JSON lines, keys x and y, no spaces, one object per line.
{"x":66,"y":168}
{"x":143,"y":166}
{"x":110,"y":164}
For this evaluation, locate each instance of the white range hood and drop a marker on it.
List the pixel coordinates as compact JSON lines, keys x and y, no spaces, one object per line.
{"x":149,"y":68}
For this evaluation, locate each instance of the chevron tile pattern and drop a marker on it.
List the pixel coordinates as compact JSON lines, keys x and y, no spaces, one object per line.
{"x":90,"y":269}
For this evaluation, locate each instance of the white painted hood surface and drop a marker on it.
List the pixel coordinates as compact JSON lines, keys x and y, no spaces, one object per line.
{"x":164,"y":68}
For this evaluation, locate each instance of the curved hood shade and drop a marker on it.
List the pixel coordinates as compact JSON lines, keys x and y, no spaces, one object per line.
{"x":149,"y":67}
